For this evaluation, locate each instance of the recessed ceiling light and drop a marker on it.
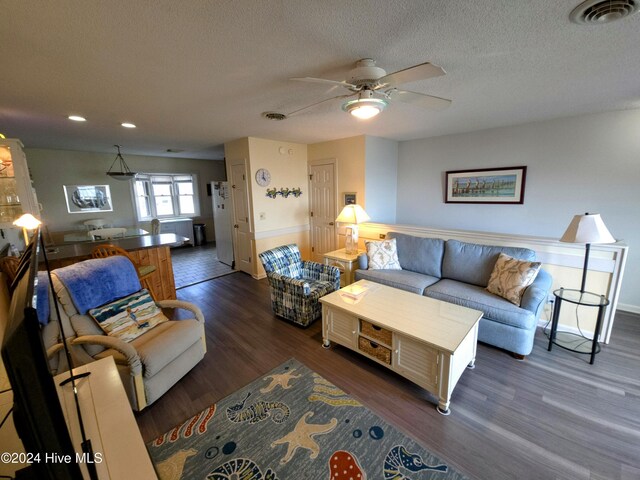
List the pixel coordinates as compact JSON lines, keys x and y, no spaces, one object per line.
{"x":128,"y":125}
{"x":77,"y":118}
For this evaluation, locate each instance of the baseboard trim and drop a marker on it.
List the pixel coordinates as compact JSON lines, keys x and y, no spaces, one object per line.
{"x":629,"y":308}
{"x":566,"y":328}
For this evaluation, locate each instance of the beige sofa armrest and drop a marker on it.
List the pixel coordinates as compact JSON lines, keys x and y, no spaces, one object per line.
{"x":126,"y":349}
{"x":186,"y":305}
{"x":51,"y":351}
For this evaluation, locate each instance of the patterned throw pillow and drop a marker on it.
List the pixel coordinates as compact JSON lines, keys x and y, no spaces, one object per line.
{"x":383,"y":255}
{"x":129,"y":317}
{"x":511,"y":277}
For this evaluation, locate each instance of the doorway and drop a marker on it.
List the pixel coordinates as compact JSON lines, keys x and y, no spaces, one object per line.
{"x":193,"y":265}
{"x":322,"y":207}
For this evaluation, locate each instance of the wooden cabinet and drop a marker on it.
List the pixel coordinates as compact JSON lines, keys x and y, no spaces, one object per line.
{"x":339,"y":326}
{"x":17,"y":195}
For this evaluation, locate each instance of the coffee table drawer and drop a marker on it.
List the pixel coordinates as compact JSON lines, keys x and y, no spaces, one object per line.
{"x":375,"y":350}
{"x":377,"y":333}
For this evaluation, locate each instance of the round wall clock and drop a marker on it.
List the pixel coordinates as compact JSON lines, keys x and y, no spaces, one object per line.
{"x":263,"y":177}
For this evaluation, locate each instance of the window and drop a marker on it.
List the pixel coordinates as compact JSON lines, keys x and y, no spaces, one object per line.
{"x":165,"y":195}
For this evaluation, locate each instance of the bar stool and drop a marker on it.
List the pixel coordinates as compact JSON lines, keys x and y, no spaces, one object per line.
{"x":144,"y":271}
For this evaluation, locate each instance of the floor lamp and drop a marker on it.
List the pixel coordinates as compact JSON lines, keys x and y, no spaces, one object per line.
{"x":353,"y":215}
{"x":588,"y":228}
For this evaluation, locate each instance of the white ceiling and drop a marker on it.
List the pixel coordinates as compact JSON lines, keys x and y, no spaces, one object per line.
{"x":194,"y":74}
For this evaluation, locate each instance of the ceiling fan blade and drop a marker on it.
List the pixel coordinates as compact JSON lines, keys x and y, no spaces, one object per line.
{"x":295,"y":112}
{"x":325,"y":81}
{"x":419,"y":99}
{"x":411,"y":74}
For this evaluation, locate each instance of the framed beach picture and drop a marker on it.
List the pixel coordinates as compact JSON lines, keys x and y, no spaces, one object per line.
{"x":88,"y":198}
{"x":486,"y":185}
{"x":349,"y":198}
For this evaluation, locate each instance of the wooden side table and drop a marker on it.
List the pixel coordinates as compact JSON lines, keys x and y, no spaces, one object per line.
{"x":346,"y":262}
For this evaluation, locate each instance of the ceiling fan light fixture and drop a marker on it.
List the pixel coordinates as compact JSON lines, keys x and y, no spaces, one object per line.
{"x":364,"y":108}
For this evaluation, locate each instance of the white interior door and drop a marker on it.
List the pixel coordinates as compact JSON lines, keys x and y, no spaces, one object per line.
{"x":241,"y":221}
{"x":323,"y":209}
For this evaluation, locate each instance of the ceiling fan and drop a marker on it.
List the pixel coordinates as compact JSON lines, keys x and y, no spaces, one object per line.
{"x":374,"y":89}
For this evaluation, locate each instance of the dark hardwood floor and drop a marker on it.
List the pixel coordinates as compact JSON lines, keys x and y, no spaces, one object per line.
{"x":551,"y":416}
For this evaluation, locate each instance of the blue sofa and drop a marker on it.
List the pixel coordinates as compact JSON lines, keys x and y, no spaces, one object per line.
{"x":458,"y":272}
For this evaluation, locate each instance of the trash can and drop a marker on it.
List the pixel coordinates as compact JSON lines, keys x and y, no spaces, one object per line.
{"x":199,"y":234}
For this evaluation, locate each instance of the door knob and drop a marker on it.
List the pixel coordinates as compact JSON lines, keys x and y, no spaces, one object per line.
{"x":235,"y":226}
{"x":331,"y":223}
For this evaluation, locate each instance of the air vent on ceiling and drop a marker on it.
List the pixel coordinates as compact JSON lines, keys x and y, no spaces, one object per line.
{"x":594,"y":12}
{"x":274,"y":115}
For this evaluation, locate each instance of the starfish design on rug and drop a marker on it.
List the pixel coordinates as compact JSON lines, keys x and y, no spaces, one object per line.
{"x":281,"y":379}
{"x":302,"y":437}
{"x":171,"y":468}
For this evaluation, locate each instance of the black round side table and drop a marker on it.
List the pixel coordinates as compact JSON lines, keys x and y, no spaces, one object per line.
{"x":571,"y":341}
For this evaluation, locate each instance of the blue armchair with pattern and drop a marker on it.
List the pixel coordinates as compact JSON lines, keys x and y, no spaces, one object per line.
{"x":296,"y":284}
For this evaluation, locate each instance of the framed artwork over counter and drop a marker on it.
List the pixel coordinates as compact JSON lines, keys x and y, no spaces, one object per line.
{"x":486,"y":185}
{"x":88,"y":198}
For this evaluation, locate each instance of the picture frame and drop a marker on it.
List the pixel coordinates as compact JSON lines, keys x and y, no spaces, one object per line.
{"x":486,"y":185}
{"x":349,"y":198}
{"x":88,"y":198}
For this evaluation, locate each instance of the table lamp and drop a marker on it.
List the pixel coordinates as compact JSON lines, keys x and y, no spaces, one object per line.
{"x":588,"y":228}
{"x":27,"y":222}
{"x":353,"y":215}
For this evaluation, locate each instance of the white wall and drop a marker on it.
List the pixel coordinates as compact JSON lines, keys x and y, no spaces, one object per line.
{"x":51,"y":169}
{"x":380,"y":178}
{"x":588,"y":163}
{"x":287,"y":163}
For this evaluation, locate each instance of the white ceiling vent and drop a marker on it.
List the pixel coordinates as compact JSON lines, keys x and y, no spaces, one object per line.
{"x":274,"y":115}
{"x":594,"y":12}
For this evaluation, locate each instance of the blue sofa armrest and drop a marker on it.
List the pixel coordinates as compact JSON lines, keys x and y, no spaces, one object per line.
{"x":363,"y":262}
{"x":535,"y":296}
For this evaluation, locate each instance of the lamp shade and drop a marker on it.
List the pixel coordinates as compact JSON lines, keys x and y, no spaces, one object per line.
{"x":353,"y":214}
{"x":587,"y":228}
{"x":27,"y":221}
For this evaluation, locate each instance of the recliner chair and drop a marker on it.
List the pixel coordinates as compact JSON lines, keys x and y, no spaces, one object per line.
{"x":150,"y":364}
{"x":296,"y":284}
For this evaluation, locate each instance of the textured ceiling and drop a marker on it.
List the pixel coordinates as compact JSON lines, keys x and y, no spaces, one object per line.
{"x":194,"y":74}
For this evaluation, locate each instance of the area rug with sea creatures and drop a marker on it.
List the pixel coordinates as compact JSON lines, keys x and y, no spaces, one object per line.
{"x":292,"y":424}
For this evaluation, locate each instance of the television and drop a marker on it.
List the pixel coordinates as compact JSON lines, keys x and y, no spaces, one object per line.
{"x":37,"y":414}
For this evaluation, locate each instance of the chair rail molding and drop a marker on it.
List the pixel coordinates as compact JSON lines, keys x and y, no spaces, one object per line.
{"x":563,"y":260}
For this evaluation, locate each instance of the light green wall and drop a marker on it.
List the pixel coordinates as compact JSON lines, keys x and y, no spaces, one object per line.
{"x":51,"y":169}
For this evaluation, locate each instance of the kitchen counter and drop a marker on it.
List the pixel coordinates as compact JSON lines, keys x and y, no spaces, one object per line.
{"x":144,"y":250}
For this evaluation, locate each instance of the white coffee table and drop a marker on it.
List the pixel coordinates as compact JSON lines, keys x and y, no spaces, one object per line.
{"x":427,"y":341}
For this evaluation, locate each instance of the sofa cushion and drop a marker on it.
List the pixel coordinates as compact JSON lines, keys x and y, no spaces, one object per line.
{"x":493,"y":307}
{"x":382,"y":255}
{"x":162,"y":345}
{"x":402,"y":279}
{"x":473,"y":263}
{"x":511,"y":277}
{"x":419,"y":254}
